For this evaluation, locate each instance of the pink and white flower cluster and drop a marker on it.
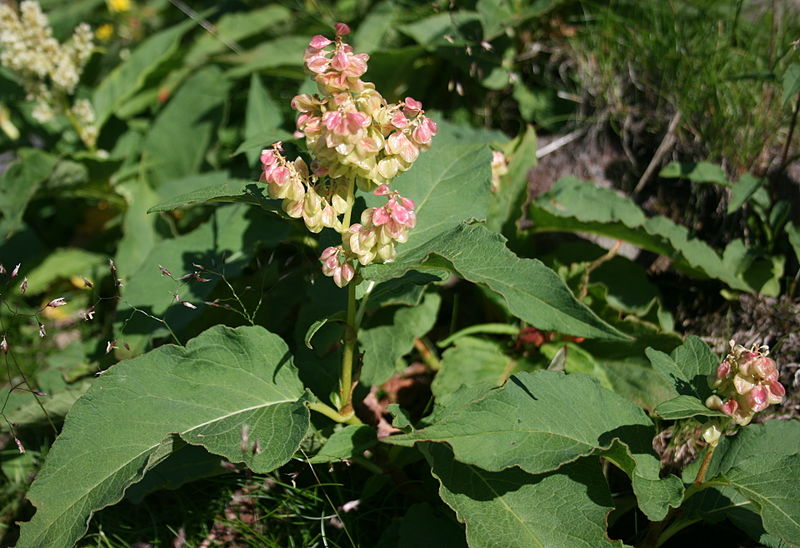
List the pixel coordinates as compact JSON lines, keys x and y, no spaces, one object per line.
{"x":373,"y":240}
{"x":318,"y":204}
{"x":745,"y":383}
{"x":350,"y":128}
{"x":354,"y":135}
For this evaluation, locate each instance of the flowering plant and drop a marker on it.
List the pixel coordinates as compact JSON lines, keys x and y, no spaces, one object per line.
{"x":356,"y":138}
{"x":326,"y":319}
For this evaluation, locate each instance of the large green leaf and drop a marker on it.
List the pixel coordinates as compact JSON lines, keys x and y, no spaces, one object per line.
{"x":125,"y":80}
{"x":573,"y":205}
{"x":176,"y":143}
{"x":231,"y":190}
{"x":780,"y":438}
{"x":391,"y":335}
{"x":751,"y":450}
{"x":742,"y":191}
{"x":683,"y":407}
{"x":636,"y":380}
{"x":513,"y":508}
{"x":542,"y":420}
{"x":532,"y":292}
{"x":233,"y":391}
{"x":715,"y":504}
{"x":474,"y":362}
{"x":687,"y":368}
{"x":185,"y":464}
{"x":449,"y":184}
{"x":771,"y":483}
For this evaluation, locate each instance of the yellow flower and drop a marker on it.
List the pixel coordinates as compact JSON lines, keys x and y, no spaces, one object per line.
{"x":104,"y":32}
{"x":118,"y":5}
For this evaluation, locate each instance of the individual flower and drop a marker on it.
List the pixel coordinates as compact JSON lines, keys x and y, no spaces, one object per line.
{"x":745,"y":383}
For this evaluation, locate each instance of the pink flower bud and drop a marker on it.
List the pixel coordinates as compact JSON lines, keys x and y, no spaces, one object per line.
{"x":742,"y":385}
{"x":382,"y":190}
{"x":328,"y":253}
{"x":730,"y":407}
{"x":317,"y":64}
{"x":757,"y":398}
{"x":747,"y":360}
{"x":714,"y":402}
{"x":399,"y":144}
{"x":340,"y":61}
{"x":341,"y":29}
{"x":411,"y":105}
{"x":407,"y":203}
{"x":380,"y":216}
{"x":424,"y":132}
{"x":723,"y":370}
{"x":4,"y":345}
{"x":344,"y":275}
{"x":765,"y":368}
{"x":15,"y":271}
{"x":777,"y":389}
{"x":319,"y":42}
{"x":712,"y":434}
{"x":268,"y":157}
{"x":776,"y":393}
{"x":399,"y":120}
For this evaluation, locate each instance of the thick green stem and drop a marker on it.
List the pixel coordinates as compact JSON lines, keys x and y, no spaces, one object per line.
{"x":351,"y":325}
{"x":350,"y":338}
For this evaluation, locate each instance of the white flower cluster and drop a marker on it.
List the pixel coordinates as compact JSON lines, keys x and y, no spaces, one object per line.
{"x":46,"y":67}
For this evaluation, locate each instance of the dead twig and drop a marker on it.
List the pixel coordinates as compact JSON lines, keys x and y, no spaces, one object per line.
{"x":666,"y":145}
